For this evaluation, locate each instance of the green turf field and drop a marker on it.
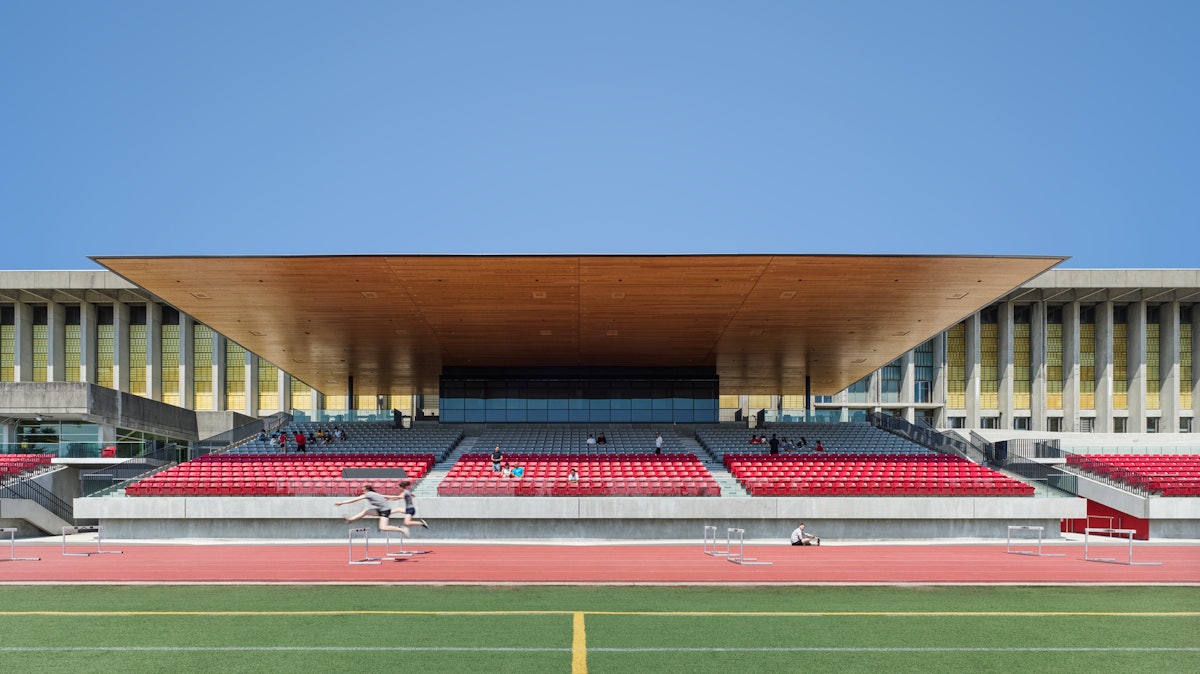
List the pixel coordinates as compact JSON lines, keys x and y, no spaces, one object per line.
{"x":256,"y":628}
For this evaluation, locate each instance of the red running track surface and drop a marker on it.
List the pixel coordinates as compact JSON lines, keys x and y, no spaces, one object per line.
{"x":580,"y":564}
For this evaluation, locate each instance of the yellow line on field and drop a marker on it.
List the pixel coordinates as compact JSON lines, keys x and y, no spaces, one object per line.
{"x":578,"y":615}
{"x":579,"y":646}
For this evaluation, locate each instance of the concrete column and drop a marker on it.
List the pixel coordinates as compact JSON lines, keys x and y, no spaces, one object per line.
{"x":121,"y":346}
{"x":908,"y":378}
{"x":56,"y":355}
{"x":1070,"y":341}
{"x":318,"y":401}
{"x":285,"y":393}
{"x":154,"y":363}
{"x":251,"y":384}
{"x":1037,"y":365}
{"x":972,"y":355}
{"x":187,"y":368}
{"x":1168,"y":367}
{"x":23,"y":342}
{"x":87,"y":342}
{"x":1135,"y":338}
{"x":939,"y":378}
{"x":1004,"y":363}
{"x":218,"y":377}
{"x":1104,"y":367}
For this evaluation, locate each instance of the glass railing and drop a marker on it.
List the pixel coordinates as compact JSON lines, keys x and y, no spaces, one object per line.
{"x":334,"y":416}
{"x":80,"y":450}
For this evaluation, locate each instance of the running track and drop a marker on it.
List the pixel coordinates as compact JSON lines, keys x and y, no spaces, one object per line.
{"x":580,"y":564}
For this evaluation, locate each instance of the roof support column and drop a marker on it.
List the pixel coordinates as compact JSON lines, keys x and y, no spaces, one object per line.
{"x":1037,"y":365}
{"x":87,"y":342}
{"x":218,"y":375}
{"x":56,"y":348}
{"x":972,"y":355}
{"x":120,"y":376}
{"x":1070,"y":346}
{"x":938,"y":394}
{"x":1168,"y":366}
{"x":908,"y":377}
{"x":187,"y":364}
{"x":1136,"y":339}
{"x":22,"y":342}
{"x":1104,"y":367}
{"x":154,"y":351}
{"x":1004,"y":363}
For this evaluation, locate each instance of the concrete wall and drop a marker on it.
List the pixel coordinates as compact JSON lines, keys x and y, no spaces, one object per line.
{"x":586,"y":518}
{"x":96,"y":404}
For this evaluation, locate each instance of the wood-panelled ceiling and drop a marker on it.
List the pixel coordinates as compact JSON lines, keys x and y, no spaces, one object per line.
{"x":765,"y":322}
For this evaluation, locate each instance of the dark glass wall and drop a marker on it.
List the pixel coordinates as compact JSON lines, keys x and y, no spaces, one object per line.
{"x":553,"y":395}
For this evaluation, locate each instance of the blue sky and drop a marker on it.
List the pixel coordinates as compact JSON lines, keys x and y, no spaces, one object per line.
{"x":504,"y":127}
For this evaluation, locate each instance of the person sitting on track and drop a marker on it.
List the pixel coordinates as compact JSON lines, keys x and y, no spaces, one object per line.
{"x":379,"y":507}
{"x":802,"y":537}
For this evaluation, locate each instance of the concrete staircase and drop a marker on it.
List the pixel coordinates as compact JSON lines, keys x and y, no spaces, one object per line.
{"x":728,"y":484}
{"x":427,"y":487}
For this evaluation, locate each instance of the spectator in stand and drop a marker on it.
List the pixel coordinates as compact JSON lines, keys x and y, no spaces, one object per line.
{"x":518,"y":472}
{"x":774,"y":442}
{"x":505,"y":470}
{"x":301,"y":442}
{"x":658,"y":443}
{"x":785,"y":444}
{"x":497,"y":459}
{"x":754,"y":440}
{"x":283,"y":440}
{"x":819,"y":447}
{"x":262,"y":436}
{"x":591,"y":439}
{"x":573,"y":476}
{"x":601,"y":440}
{"x":803,"y":443}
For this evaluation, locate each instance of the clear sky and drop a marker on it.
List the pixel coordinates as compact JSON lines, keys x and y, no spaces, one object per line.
{"x":1029,"y":127}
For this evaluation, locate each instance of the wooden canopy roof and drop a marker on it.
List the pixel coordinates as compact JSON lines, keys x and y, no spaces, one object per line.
{"x":764,"y":322}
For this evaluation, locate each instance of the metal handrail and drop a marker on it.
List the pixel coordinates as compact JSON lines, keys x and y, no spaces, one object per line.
{"x":29,"y":490}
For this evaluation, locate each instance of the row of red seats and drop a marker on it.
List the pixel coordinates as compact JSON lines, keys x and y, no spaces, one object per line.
{"x":151,"y":487}
{"x":450,"y":487}
{"x":1167,"y":474}
{"x":888,"y":489}
{"x":15,"y":464}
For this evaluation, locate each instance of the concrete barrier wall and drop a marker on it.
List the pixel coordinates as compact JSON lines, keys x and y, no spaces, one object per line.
{"x":585,"y":518}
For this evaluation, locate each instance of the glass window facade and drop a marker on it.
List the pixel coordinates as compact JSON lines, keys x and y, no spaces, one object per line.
{"x":72,"y":344}
{"x":1185,"y":357}
{"x":923,"y":373}
{"x":106,"y":345}
{"x":235,"y":376}
{"x":1087,"y":358}
{"x":890,"y":380}
{"x":41,"y":342}
{"x":1120,"y":359}
{"x":557,"y":396}
{"x":268,"y":385}
{"x":1153,"y":358}
{"x":202,"y":367}
{"x":1022,"y":360}
{"x":989,"y":355}
{"x":956,"y":366}
{"x":137,"y":351}
{"x":170,"y":357}
{"x":1054,"y":358}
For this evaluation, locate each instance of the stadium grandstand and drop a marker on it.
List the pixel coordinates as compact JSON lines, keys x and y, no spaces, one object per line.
{"x":938,"y":396}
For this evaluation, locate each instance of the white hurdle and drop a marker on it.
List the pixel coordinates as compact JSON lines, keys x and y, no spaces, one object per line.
{"x":82,"y":529}
{"x":401,"y":553}
{"x":366,"y":536}
{"x":1128,"y":533}
{"x":12,"y":545}
{"x":1009,"y":549}
{"x":712,"y":549}
{"x":740,"y":557}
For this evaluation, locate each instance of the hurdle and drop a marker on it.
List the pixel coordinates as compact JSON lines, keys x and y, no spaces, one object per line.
{"x":1128,"y":533}
{"x":712,"y":549}
{"x":83,"y":529}
{"x":400,"y":554}
{"x":1009,"y":549}
{"x":12,"y":545}
{"x":366,"y":558}
{"x":740,"y":557}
